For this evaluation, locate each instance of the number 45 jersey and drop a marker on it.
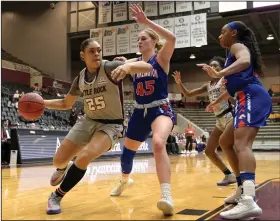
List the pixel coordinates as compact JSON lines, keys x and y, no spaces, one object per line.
{"x":152,"y":86}
{"x":103,"y":98}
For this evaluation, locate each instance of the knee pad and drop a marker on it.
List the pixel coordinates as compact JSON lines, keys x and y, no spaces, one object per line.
{"x":127,"y":160}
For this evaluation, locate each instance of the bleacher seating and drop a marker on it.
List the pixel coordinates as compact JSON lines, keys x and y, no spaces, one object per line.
{"x":268,"y":134}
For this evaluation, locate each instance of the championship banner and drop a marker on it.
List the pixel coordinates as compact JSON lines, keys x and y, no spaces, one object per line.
{"x":96,"y":34}
{"x":123,"y":39}
{"x":109,"y":41}
{"x":183,"y":6}
{"x":119,"y":11}
{"x":166,"y":8}
{"x":198,"y":30}
{"x":130,"y":12}
{"x":201,"y":5}
{"x":104,"y":12}
{"x":182,"y":31}
{"x":167,"y":23}
{"x":134,"y":30}
{"x":151,"y":8}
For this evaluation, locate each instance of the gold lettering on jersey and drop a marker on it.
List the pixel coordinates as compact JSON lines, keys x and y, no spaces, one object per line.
{"x":96,"y":90}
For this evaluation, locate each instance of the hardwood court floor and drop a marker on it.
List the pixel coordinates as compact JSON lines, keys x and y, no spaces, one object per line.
{"x":25,"y":190}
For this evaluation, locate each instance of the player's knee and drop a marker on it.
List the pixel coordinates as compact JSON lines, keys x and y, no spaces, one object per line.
{"x":158,"y":144}
{"x":127,"y":160}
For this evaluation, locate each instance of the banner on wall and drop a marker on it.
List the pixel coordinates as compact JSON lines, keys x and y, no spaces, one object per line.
{"x":183,"y":6}
{"x":119,"y":11}
{"x":182,"y":31}
{"x":151,"y":8}
{"x":109,"y":41}
{"x":123,"y":39}
{"x":134,"y":30}
{"x":130,"y":12}
{"x":167,"y":23}
{"x":104,"y":12}
{"x":166,"y":8}
{"x":198,"y":30}
{"x":201,"y":5}
{"x":96,"y":34}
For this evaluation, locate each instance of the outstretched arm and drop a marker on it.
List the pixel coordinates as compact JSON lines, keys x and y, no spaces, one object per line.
{"x":166,"y":52}
{"x":184,"y":90}
{"x":67,"y":102}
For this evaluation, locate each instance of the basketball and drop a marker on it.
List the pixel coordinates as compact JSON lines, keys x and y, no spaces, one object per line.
{"x":31,"y":106}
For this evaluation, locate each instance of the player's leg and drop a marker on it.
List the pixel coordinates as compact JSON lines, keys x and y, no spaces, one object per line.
{"x":137,"y":132}
{"x":160,"y":135}
{"x":70,"y":146}
{"x":99,"y":143}
{"x":210,"y":151}
{"x":252,"y":110}
{"x":227,"y":144}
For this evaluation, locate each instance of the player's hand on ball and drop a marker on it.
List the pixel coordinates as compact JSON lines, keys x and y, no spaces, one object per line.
{"x":120,"y":59}
{"x":120,"y":72}
{"x":177,"y":77}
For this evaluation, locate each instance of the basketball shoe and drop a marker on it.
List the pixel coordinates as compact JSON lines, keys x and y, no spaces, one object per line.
{"x":165,"y":204}
{"x":122,"y":185}
{"x":235,"y":197}
{"x":59,"y":175}
{"x":228,"y":179}
{"x":54,"y":204}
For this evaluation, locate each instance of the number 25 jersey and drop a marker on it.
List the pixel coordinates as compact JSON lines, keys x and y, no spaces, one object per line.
{"x":152,"y":86}
{"x":103,"y":98}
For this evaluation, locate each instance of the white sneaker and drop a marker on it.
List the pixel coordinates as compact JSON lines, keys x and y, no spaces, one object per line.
{"x":235,"y":197}
{"x":228,"y":179}
{"x":165,"y":204}
{"x":188,"y":152}
{"x":246,"y":208}
{"x":117,"y":191}
{"x":59,"y":175}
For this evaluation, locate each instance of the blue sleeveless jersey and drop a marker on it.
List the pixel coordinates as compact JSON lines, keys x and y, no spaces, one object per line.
{"x":149,"y":87}
{"x":238,"y":81}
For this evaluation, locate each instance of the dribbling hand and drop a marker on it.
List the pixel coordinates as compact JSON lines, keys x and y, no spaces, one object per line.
{"x":177,"y":77}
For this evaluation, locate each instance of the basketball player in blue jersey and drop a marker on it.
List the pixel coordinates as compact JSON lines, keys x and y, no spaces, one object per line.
{"x":223,"y":114}
{"x":152,"y":111}
{"x":101,"y":126}
{"x":252,"y":108}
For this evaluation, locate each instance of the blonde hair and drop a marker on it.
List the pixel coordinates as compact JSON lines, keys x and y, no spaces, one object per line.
{"x":154,"y":36}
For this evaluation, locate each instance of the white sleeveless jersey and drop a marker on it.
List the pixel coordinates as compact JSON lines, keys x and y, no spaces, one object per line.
{"x":214,"y":91}
{"x":102,"y":97}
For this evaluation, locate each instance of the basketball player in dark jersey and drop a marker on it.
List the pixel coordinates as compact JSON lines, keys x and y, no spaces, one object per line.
{"x":253,"y":107}
{"x":153,"y":111}
{"x":102,"y":124}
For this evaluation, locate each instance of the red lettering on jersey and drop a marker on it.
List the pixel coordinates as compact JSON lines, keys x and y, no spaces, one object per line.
{"x":149,"y":88}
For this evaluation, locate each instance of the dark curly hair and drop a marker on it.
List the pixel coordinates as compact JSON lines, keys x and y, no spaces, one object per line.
{"x":219,"y":59}
{"x":247,"y":37}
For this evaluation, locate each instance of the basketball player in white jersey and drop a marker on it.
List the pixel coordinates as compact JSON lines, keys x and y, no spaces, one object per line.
{"x":223,"y":115}
{"x":102,"y":124}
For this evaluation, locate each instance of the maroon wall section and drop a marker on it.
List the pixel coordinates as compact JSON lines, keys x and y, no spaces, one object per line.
{"x":15,"y":76}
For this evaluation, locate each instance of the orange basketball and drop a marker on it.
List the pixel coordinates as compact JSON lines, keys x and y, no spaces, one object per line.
{"x":31,"y":106}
